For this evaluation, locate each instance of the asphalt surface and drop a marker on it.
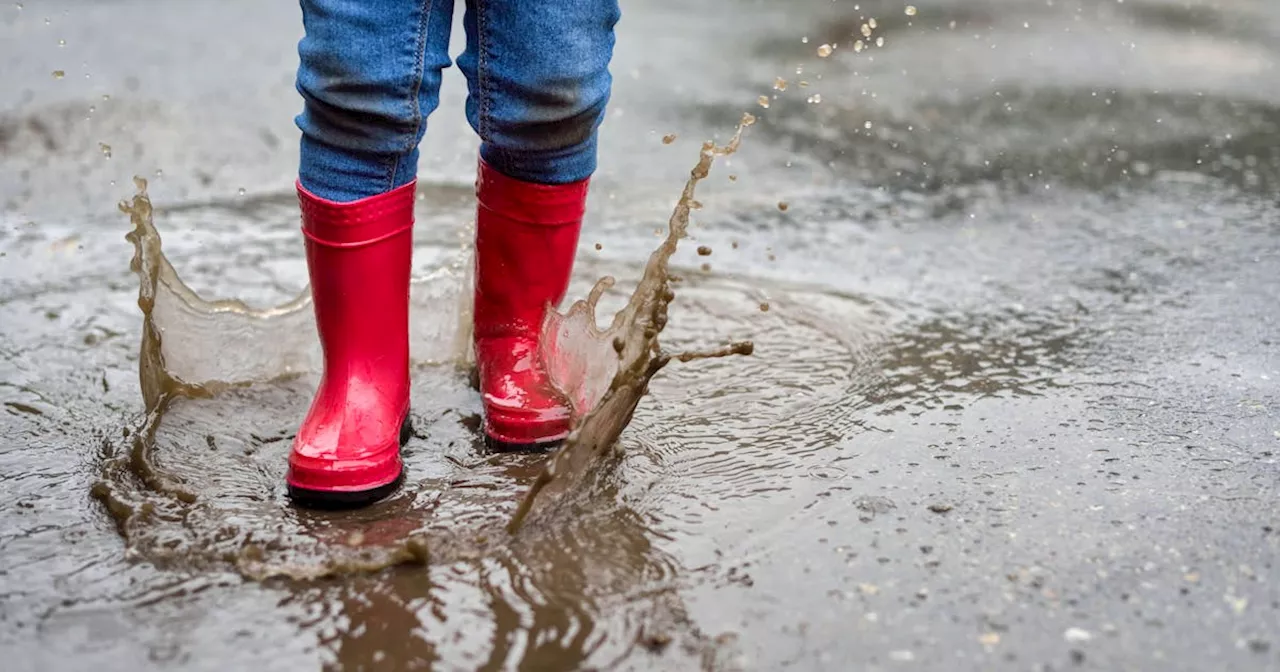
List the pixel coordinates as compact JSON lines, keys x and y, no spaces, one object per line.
{"x":1014,"y":404}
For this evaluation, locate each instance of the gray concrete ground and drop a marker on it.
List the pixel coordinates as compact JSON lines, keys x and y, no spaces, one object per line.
{"x":1015,"y":405}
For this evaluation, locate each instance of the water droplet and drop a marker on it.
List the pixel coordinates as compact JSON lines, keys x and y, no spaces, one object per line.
{"x":1077,"y":635}
{"x":62,"y":43}
{"x":858,"y":46}
{"x":879,"y":41}
{"x":159,"y":173}
{"x":867,"y":125}
{"x":866,"y":30}
{"x":92,"y":109}
{"x":804,"y":40}
{"x":872,"y":23}
{"x":59,"y":74}
{"x":240,"y":191}
{"x":106,"y":96}
{"x":668,"y":138}
{"x":18,"y":5}
{"x":764,"y":101}
{"x":780,"y":84}
{"x":911,"y":10}
{"x":825,"y":50}
{"x":815,"y":98}
{"x":106,"y":149}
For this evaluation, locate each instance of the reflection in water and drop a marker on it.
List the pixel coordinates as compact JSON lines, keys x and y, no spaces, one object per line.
{"x":588,"y":591}
{"x":372,"y":626}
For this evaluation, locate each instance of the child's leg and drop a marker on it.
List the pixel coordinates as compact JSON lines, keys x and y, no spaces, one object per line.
{"x":538,"y":73}
{"x":369,"y":75}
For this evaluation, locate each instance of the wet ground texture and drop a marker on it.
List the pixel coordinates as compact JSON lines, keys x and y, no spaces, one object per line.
{"x":1011,"y":276}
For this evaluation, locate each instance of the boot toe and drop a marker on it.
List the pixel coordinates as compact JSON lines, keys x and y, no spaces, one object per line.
{"x":346,"y":477}
{"x":341,"y":499}
{"x":525,"y":424}
{"x":344,"y":481}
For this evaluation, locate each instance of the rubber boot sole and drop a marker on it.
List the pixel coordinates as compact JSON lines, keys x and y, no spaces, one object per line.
{"x":350,"y":499}
{"x":500,"y":446}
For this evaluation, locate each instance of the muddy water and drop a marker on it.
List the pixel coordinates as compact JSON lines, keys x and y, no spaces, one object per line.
{"x":177,"y":502}
{"x":1010,"y":279}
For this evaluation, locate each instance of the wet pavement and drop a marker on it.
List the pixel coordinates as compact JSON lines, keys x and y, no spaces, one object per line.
{"x":1011,"y":279}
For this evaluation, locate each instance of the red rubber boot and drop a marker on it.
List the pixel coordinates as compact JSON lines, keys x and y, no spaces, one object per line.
{"x":526,"y":238}
{"x":347,"y":452}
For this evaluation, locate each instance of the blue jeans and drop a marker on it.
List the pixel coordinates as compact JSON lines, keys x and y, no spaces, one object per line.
{"x":370,"y":70}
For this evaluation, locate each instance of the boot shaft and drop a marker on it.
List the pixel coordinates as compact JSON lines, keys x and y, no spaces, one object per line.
{"x":526,"y":240}
{"x":359,"y":259}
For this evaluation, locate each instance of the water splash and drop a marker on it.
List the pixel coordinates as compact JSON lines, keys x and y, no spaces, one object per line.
{"x":605,"y":373}
{"x":184,"y":489}
{"x":192,"y":347}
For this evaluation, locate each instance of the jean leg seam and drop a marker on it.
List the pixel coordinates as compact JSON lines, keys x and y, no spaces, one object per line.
{"x":424,"y":23}
{"x":482,"y":67}
{"x":393,"y":162}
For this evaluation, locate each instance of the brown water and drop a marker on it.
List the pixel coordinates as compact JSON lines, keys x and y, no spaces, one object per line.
{"x":1010,"y":281}
{"x":184,"y":490}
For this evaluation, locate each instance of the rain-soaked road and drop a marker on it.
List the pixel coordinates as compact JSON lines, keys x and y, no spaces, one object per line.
{"x":1014,"y":402}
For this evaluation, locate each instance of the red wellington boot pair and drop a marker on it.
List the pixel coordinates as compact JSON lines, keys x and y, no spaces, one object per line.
{"x":347,"y":451}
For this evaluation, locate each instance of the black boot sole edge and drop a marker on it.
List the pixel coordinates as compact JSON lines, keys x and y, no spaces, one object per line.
{"x":500,"y":446}
{"x":350,"y":499}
